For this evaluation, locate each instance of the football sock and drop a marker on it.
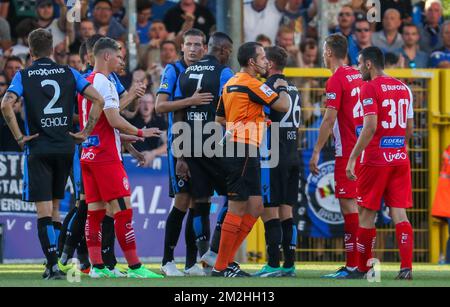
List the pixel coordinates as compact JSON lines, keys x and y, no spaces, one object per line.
{"x":246,"y":226}
{"x":230,"y":232}
{"x":289,"y":242}
{"x":172,"y":233}
{"x":215,"y":241}
{"x":108,"y":239}
{"x":68,"y":220}
{"x":93,"y":232}
{"x":57,"y":226}
{"x":351,"y":230}
{"x":405,"y":240}
{"x":202,"y":227}
{"x":126,"y":236}
{"x":189,"y":235}
{"x":365,"y":243}
{"x":47,"y":239}
{"x":273,"y":235}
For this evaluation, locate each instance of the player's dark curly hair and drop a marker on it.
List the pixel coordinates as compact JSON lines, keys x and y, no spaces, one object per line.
{"x":246,"y":52}
{"x":375,"y":55}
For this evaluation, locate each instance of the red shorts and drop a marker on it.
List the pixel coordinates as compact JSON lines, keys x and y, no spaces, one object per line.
{"x":344,"y":188}
{"x":391,"y":183}
{"x":105,"y":182}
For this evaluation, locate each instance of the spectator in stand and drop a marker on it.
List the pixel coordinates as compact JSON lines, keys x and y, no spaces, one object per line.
{"x":441,"y":57}
{"x":86,"y":31}
{"x":160,"y":8}
{"x":296,"y":17}
{"x":12,"y":65}
{"x":144,"y":12}
{"x":61,"y":27}
{"x":7,"y":141}
{"x":119,"y":11}
{"x":430,"y":36}
{"x":74,"y":61}
{"x":5,"y":35}
{"x":403,"y":6}
{"x":104,"y":22}
{"x":410,"y":55}
{"x":285,"y":39}
{"x":146,"y":117}
{"x":83,"y":56}
{"x":389,"y":39}
{"x":264,"y":40}
{"x":23,"y":29}
{"x":392,"y":60}
{"x":363,"y":39}
{"x":262,"y":17}
{"x":309,"y":53}
{"x":14,"y":11}
{"x":168,"y":53}
{"x":158,"y":34}
{"x":60,"y":54}
{"x":188,"y":14}
{"x":346,"y":20}
{"x":333,"y":8}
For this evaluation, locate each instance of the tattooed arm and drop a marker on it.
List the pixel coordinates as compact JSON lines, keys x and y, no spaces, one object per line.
{"x":10,"y":117}
{"x":96,"y":110}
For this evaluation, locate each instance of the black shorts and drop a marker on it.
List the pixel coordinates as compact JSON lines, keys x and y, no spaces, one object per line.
{"x":45,"y":176}
{"x":243,"y":177}
{"x":176,"y":184}
{"x":280,"y":185}
{"x":207,"y":176}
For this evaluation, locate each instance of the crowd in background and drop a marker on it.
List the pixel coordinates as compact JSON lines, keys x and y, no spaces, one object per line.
{"x":413,"y":34}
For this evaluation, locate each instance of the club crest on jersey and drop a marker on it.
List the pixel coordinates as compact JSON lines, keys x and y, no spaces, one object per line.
{"x":181,"y":183}
{"x":266,"y":90}
{"x":368,"y":102}
{"x":164,"y":86}
{"x":331,"y":96}
{"x":320,"y":191}
{"x":126,"y":184}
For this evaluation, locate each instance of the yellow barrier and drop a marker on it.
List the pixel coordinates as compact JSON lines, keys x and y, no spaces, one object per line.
{"x":431,"y":89}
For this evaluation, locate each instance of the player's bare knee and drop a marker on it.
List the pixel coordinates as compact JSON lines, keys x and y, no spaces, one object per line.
{"x":348,"y":206}
{"x":367,"y":218}
{"x":182,"y":201}
{"x":398,"y":215}
{"x":44,"y":209}
{"x":270,"y":214}
{"x":286,"y":212}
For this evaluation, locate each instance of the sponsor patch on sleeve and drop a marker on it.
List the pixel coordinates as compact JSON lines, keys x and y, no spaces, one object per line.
{"x":266,"y":90}
{"x":331,"y":96}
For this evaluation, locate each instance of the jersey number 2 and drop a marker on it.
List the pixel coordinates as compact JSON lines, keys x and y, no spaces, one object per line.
{"x":49,"y":109}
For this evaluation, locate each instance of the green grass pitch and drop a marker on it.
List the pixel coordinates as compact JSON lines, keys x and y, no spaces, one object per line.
{"x":308,"y":275}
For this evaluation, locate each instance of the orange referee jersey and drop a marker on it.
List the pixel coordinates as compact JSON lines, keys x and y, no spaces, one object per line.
{"x":242,"y":105}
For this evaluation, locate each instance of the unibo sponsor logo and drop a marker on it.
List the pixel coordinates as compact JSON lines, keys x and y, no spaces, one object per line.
{"x":92,"y":141}
{"x":398,"y":156}
{"x":392,"y":142}
{"x":359,"y":130}
{"x":320,"y":191}
{"x":46,"y":72}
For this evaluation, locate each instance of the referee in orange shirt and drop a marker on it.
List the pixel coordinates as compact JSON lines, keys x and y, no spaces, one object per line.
{"x":241,"y":110}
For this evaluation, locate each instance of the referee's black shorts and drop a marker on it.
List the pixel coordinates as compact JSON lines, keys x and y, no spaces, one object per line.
{"x":243,"y":176}
{"x":45,"y":176}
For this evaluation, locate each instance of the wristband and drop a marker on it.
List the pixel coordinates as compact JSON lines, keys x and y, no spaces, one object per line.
{"x":140,"y":133}
{"x":282,"y":89}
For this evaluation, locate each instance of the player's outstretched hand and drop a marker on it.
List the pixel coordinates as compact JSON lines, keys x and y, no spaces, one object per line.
{"x":130,"y":139}
{"x":314,"y":164}
{"x":79,"y":137}
{"x":280,"y":82}
{"x":25,"y":139}
{"x":151,"y":132}
{"x":350,"y":170}
{"x":201,"y":98}
{"x":182,"y":170}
